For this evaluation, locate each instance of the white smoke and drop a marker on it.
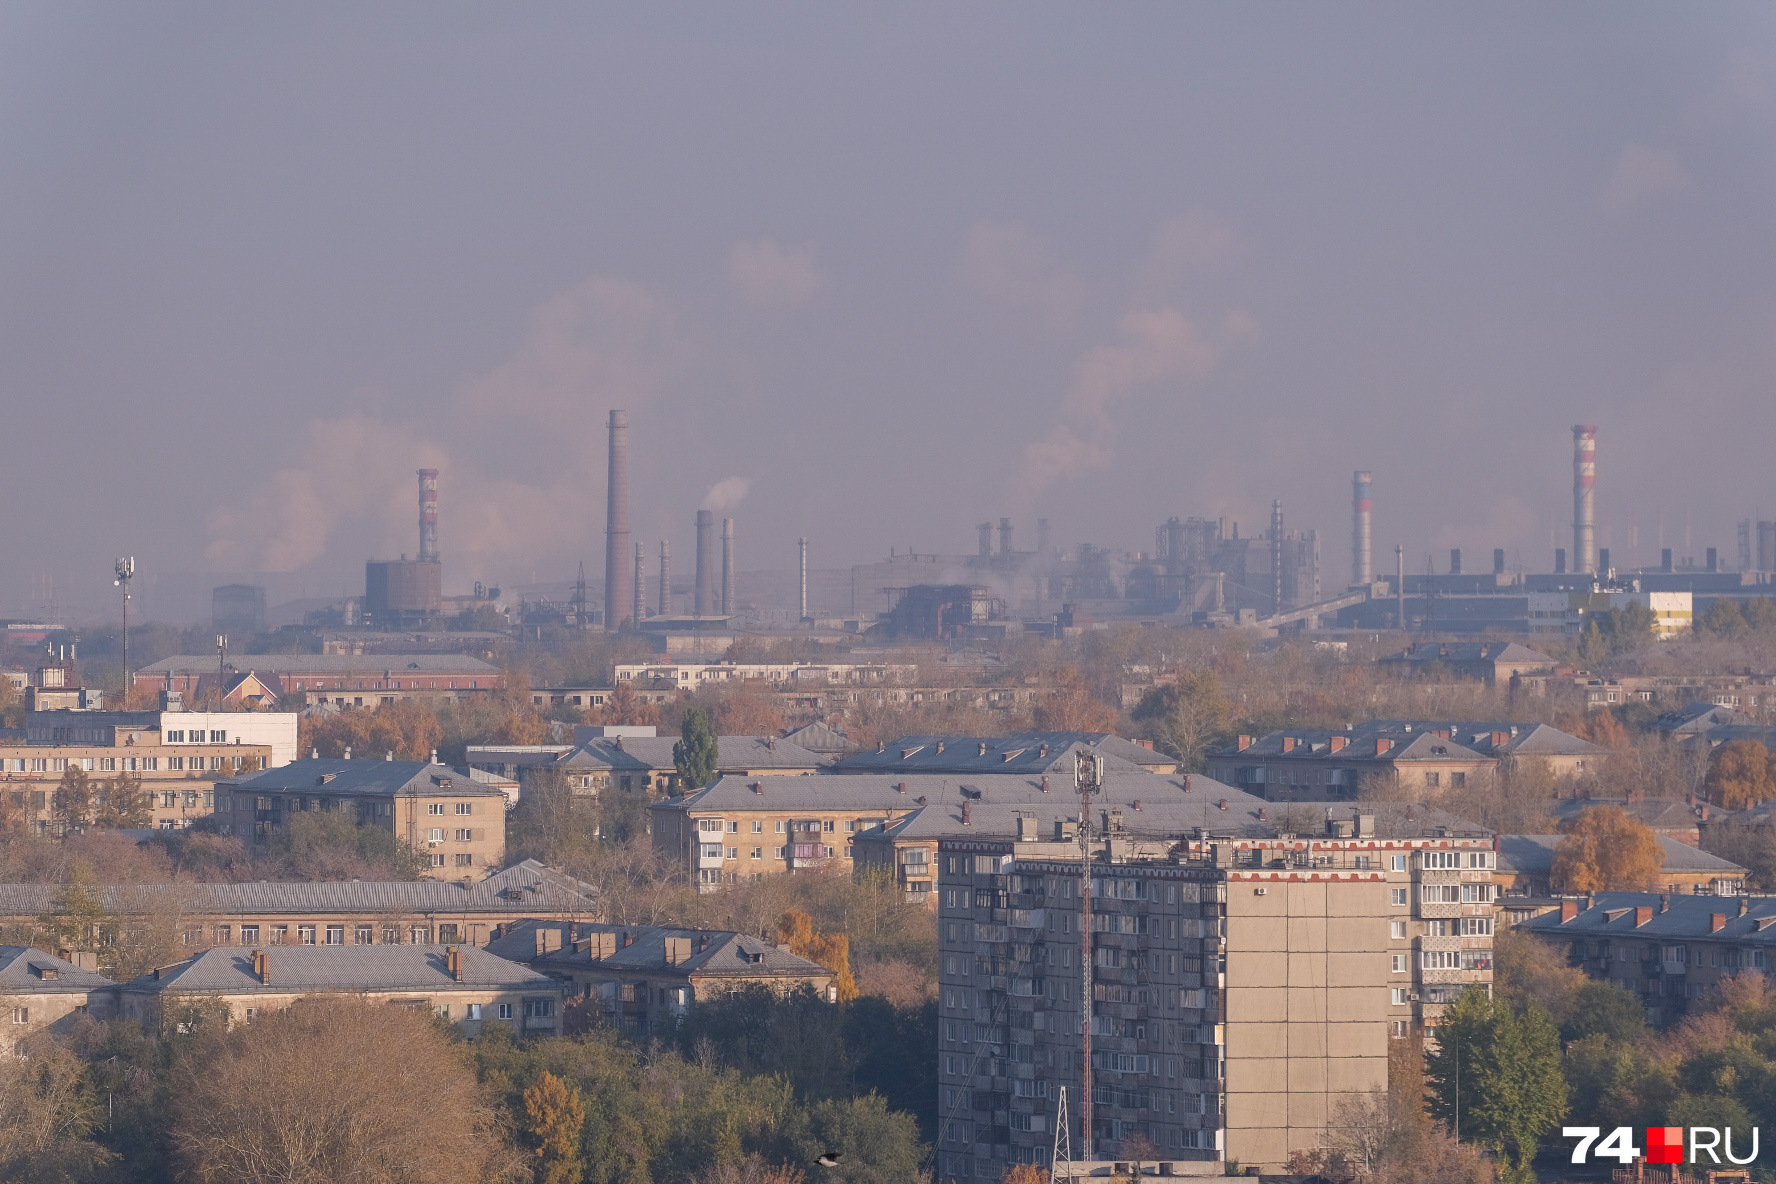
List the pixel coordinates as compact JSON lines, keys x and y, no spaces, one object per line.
{"x":726,"y":494}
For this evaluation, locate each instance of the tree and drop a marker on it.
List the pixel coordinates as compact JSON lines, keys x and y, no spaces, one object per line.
{"x":336,"y":1089}
{"x":46,"y":1114}
{"x":795,"y":929}
{"x":330,"y":845}
{"x":694,"y":755}
{"x":876,"y":1145}
{"x":1740,"y":775}
{"x":73,"y":799}
{"x":77,"y":919}
{"x":1495,"y":1077}
{"x":1750,"y":845}
{"x":1188,"y":716}
{"x":557,"y":1117}
{"x":1605,"y":850}
{"x":120,"y":803}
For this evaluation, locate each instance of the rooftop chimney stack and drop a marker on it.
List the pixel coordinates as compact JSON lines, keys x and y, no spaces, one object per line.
{"x":428,"y":515}
{"x":702,"y":601}
{"x":1362,"y":566}
{"x":665,"y":577}
{"x":1584,"y":498}
{"x":986,"y":539}
{"x":1665,"y":559}
{"x":727,"y":566}
{"x":1559,"y":561}
{"x":1004,"y":536}
{"x":616,"y":521}
{"x":802,"y":544}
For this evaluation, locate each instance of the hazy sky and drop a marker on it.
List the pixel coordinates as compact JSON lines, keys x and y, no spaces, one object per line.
{"x":877,"y":273}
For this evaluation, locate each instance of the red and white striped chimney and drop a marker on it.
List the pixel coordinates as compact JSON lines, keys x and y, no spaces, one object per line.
{"x":1584,"y":497}
{"x":428,"y":515}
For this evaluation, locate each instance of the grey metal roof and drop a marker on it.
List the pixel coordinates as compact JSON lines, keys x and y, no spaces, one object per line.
{"x":1469,"y":651}
{"x":1611,"y":914}
{"x":862,"y":791}
{"x":22,"y":972}
{"x":817,"y":737}
{"x":1656,"y":813}
{"x":328,"y":664}
{"x":1699,"y":718}
{"x":362,"y":778}
{"x":1242,"y":817}
{"x":1415,"y":740}
{"x":228,"y":970}
{"x":1020,"y":752}
{"x":654,"y":753}
{"x":524,"y":888}
{"x":722,"y":952}
{"x":1534,"y":855}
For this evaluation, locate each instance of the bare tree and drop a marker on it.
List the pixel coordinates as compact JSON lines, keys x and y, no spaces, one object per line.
{"x":338,"y":1089}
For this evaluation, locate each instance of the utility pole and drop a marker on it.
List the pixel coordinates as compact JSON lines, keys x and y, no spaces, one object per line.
{"x":126,"y":571}
{"x":1088,"y":778}
{"x":221,"y":664}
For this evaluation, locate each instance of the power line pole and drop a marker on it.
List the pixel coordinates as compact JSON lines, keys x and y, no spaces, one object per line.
{"x":1088,"y":777}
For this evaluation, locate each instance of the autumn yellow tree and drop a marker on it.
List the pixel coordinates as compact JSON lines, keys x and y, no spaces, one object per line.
{"x":557,"y":1117}
{"x":1741,"y":775}
{"x":795,"y":929}
{"x":1605,"y":850}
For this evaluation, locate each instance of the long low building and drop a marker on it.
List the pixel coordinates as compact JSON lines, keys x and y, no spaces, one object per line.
{"x":460,"y":983}
{"x":1667,"y":949}
{"x":334,"y":913}
{"x":40,"y":992}
{"x":643,"y":977}
{"x":339,"y":680}
{"x":746,"y":828}
{"x":1526,"y":867}
{"x":641,"y":764}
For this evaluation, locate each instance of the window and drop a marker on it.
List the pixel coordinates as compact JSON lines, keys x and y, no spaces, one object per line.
{"x":448,"y":933}
{"x":1397,"y":896}
{"x":366,"y":935}
{"x":1397,"y":863}
{"x":305,"y":935}
{"x":474,"y":1011}
{"x":280,"y":934}
{"x":435,"y":808}
{"x":758,"y":827}
{"x":1476,"y":893}
{"x":1397,"y":930}
{"x":779,"y":826}
{"x":758,"y":852}
{"x":783,"y":853}
{"x":21,"y":1015}
{"x":1440,"y":959}
{"x":538,"y":1009}
{"x":505,"y":1011}
{"x":1479,"y":859}
{"x":435,"y":835}
{"x":391,"y":935}
{"x":1433,"y":780}
{"x":421,"y":935}
{"x":249,"y":935}
{"x":443,"y":1011}
{"x":465,"y":860}
{"x":734,"y":827}
{"x":1401,"y":963}
{"x":733,"y":853}
{"x":252,"y":1014}
{"x":335,"y":935}
{"x":1441,"y":893}
{"x":1441,"y":859}
{"x":466,"y":808}
{"x":1476,"y":926}
{"x":464,"y":834}
{"x":437,"y":861}
{"x":1458,"y":780}
{"x":1399,"y":996}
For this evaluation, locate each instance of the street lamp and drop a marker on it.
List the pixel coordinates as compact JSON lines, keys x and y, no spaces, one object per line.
{"x":126,"y":571}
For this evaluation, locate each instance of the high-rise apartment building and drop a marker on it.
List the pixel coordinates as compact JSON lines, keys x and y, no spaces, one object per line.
{"x":1247,"y":975}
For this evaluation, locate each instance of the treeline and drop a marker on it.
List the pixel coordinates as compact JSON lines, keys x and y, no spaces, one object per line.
{"x":345,"y":1089}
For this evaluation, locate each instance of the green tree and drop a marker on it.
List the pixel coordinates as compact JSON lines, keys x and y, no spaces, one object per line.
{"x":73,"y":800}
{"x":77,"y":919}
{"x":876,"y":1145}
{"x":1188,"y":716}
{"x":1496,"y":1077}
{"x":121,"y":802}
{"x":330,"y":845}
{"x":694,"y":756}
{"x":557,"y":1117}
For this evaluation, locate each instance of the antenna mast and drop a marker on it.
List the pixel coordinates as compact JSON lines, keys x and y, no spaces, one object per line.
{"x":1063,"y":1144}
{"x":1088,"y":777}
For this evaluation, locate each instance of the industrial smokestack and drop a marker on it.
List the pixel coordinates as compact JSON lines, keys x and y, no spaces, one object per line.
{"x":1498,"y":561}
{"x":1455,"y":561}
{"x":1004,"y":536}
{"x":803,"y":544}
{"x":702,"y":598}
{"x":986,"y":539}
{"x":428,"y":515}
{"x":1665,"y":559}
{"x":616,"y":520}
{"x":1276,"y":556}
{"x":1559,"y":561}
{"x":1362,"y":565}
{"x":1603,"y":560}
{"x":638,"y":609}
{"x":1042,"y":536}
{"x":1584,"y":498}
{"x":727,"y":600}
{"x":665,"y":578}
{"x":1399,"y":586}
{"x":1713,"y":559}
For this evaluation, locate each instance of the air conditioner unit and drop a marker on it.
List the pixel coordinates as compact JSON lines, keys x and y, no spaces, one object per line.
{"x":1260,"y":891}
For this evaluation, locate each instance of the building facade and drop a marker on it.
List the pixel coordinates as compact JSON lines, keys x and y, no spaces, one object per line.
{"x":455,"y":821}
{"x":42,"y":993}
{"x":339,"y":680}
{"x":1242,"y":983}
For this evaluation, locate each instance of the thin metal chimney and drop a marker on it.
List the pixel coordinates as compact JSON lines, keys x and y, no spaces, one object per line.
{"x":727,"y":600}
{"x":803,"y":544}
{"x":1004,"y":536}
{"x":1362,"y":566}
{"x":428,"y":515}
{"x":638,"y":610}
{"x":616,"y":522}
{"x":1399,"y":586}
{"x":1584,"y":553}
{"x":701,"y":601}
{"x":665,"y":577}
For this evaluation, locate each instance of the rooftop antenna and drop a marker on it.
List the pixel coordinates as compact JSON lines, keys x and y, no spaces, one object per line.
{"x":1088,"y":778}
{"x":126,"y":571}
{"x":1062,"y":1155}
